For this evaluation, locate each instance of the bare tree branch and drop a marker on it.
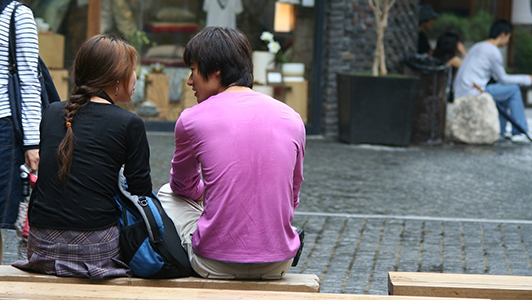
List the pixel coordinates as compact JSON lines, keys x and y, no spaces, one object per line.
{"x":381,"y":9}
{"x":375,"y":6}
{"x":391,"y":5}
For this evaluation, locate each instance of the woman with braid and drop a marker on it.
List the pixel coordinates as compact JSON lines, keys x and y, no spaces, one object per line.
{"x":84,"y":142}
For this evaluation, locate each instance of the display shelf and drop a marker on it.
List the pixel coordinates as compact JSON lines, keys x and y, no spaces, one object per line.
{"x":169,"y":27}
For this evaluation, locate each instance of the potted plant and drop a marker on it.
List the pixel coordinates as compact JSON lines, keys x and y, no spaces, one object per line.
{"x":274,"y":58}
{"x":376,"y":108}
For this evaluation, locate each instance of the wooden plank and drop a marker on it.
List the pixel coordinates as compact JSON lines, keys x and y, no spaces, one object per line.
{"x":504,"y":10}
{"x":157,"y":92}
{"x":39,"y":290}
{"x":495,"y":287}
{"x":297,"y":97}
{"x":290,"y":282}
{"x":52,"y":50}
{"x":61,"y":81}
{"x":187,"y":100}
{"x":187,"y":94}
{"x":472,"y":8}
{"x":94,"y":17}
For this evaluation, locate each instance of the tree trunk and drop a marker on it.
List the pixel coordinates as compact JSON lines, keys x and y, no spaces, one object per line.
{"x":383,"y":69}
{"x":380,"y":8}
{"x":383,"y":25}
{"x":378,"y":55}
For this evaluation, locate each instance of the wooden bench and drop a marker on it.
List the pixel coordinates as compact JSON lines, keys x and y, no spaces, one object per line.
{"x":290,"y":282}
{"x":495,"y":287}
{"x":72,"y":291}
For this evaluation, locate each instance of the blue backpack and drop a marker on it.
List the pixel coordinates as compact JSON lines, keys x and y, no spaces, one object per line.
{"x":149,"y":241}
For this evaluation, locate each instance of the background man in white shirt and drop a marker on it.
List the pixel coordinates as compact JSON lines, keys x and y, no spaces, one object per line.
{"x":483,"y":62}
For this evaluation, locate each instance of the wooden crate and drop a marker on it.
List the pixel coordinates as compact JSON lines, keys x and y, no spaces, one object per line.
{"x":157,"y":92}
{"x":52,"y":50}
{"x":296,"y":96}
{"x":61,"y":81}
{"x":187,"y":100}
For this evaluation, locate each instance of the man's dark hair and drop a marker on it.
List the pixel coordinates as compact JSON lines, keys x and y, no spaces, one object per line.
{"x":221,"y":49}
{"x":498,"y":27}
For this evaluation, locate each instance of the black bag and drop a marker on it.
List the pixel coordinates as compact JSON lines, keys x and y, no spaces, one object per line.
{"x":301,"y":234}
{"x":149,"y":241}
{"x":48,"y":91}
{"x":425,"y":63}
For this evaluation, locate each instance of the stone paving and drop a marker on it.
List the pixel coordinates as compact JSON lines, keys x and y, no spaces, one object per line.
{"x":367,"y":210}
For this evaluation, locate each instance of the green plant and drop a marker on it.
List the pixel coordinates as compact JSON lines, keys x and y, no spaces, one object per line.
{"x":522,"y":51}
{"x":273,"y":47}
{"x":479,"y":26}
{"x":139,"y":39}
{"x":449,"y":21}
{"x":471,"y":29}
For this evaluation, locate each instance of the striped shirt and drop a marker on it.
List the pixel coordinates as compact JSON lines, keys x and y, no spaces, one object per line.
{"x":27,"y":62}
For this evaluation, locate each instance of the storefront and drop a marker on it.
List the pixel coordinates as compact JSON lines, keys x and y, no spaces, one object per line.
{"x":160,"y":29}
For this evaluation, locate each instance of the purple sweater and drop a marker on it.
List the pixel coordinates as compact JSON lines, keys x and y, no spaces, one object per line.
{"x":248,"y":148}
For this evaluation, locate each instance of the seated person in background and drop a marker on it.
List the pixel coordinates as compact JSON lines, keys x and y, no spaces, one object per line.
{"x":484,"y":61}
{"x":237,"y":167}
{"x":84,"y":143}
{"x":427,"y":18}
{"x":448,"y":50}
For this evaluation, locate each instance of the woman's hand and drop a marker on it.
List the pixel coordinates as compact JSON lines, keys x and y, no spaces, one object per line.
{"x":32,"y":159}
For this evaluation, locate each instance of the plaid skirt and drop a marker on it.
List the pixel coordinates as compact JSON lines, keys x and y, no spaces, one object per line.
{"x":71,"y":253}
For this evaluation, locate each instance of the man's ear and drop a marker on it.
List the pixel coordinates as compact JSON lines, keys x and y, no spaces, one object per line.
{"x":503,"y":35}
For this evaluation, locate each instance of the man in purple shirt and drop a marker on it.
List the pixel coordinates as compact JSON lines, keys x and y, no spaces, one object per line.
{"x":237,"y":167}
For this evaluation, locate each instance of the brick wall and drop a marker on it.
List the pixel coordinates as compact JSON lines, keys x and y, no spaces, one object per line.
{"x":350,"y":43}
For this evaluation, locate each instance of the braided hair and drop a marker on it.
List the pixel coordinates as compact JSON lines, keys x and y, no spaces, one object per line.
{"x":101,"y":62}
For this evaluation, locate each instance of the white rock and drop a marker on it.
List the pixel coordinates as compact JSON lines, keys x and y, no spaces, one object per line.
{"x":475,"y":120}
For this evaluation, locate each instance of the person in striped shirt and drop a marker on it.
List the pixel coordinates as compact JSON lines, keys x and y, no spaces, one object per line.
{"x":14,"y":153}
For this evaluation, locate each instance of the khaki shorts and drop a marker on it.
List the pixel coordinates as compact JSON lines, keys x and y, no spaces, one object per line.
{"x":185,"y":213}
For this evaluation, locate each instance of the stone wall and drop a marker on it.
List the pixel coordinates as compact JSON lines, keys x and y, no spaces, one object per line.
{"x":350,"y":43}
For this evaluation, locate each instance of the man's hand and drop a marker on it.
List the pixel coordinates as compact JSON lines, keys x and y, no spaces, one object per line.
{"x":32,"y":159}
{"x":461,"y":49}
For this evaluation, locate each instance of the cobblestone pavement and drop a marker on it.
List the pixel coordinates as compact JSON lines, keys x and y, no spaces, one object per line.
{"x":367,"y":210}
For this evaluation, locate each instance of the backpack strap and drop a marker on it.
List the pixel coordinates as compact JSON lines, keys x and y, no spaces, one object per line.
{"x":4,"y":3}
{"x":141,"y":204}
{"x":173,"y":261}
{"x":16,"y":106}
{"x":149,"y":218}
{"x":146,"y":212}
{"x":48,"y":91}
{"x":12,"y":43}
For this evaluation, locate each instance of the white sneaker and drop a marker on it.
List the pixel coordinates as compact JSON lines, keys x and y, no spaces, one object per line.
{"x":520,"y":139}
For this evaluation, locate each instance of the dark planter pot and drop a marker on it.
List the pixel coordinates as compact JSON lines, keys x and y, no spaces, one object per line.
{"x":428,"y":126}
{"x":376,"y":110}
